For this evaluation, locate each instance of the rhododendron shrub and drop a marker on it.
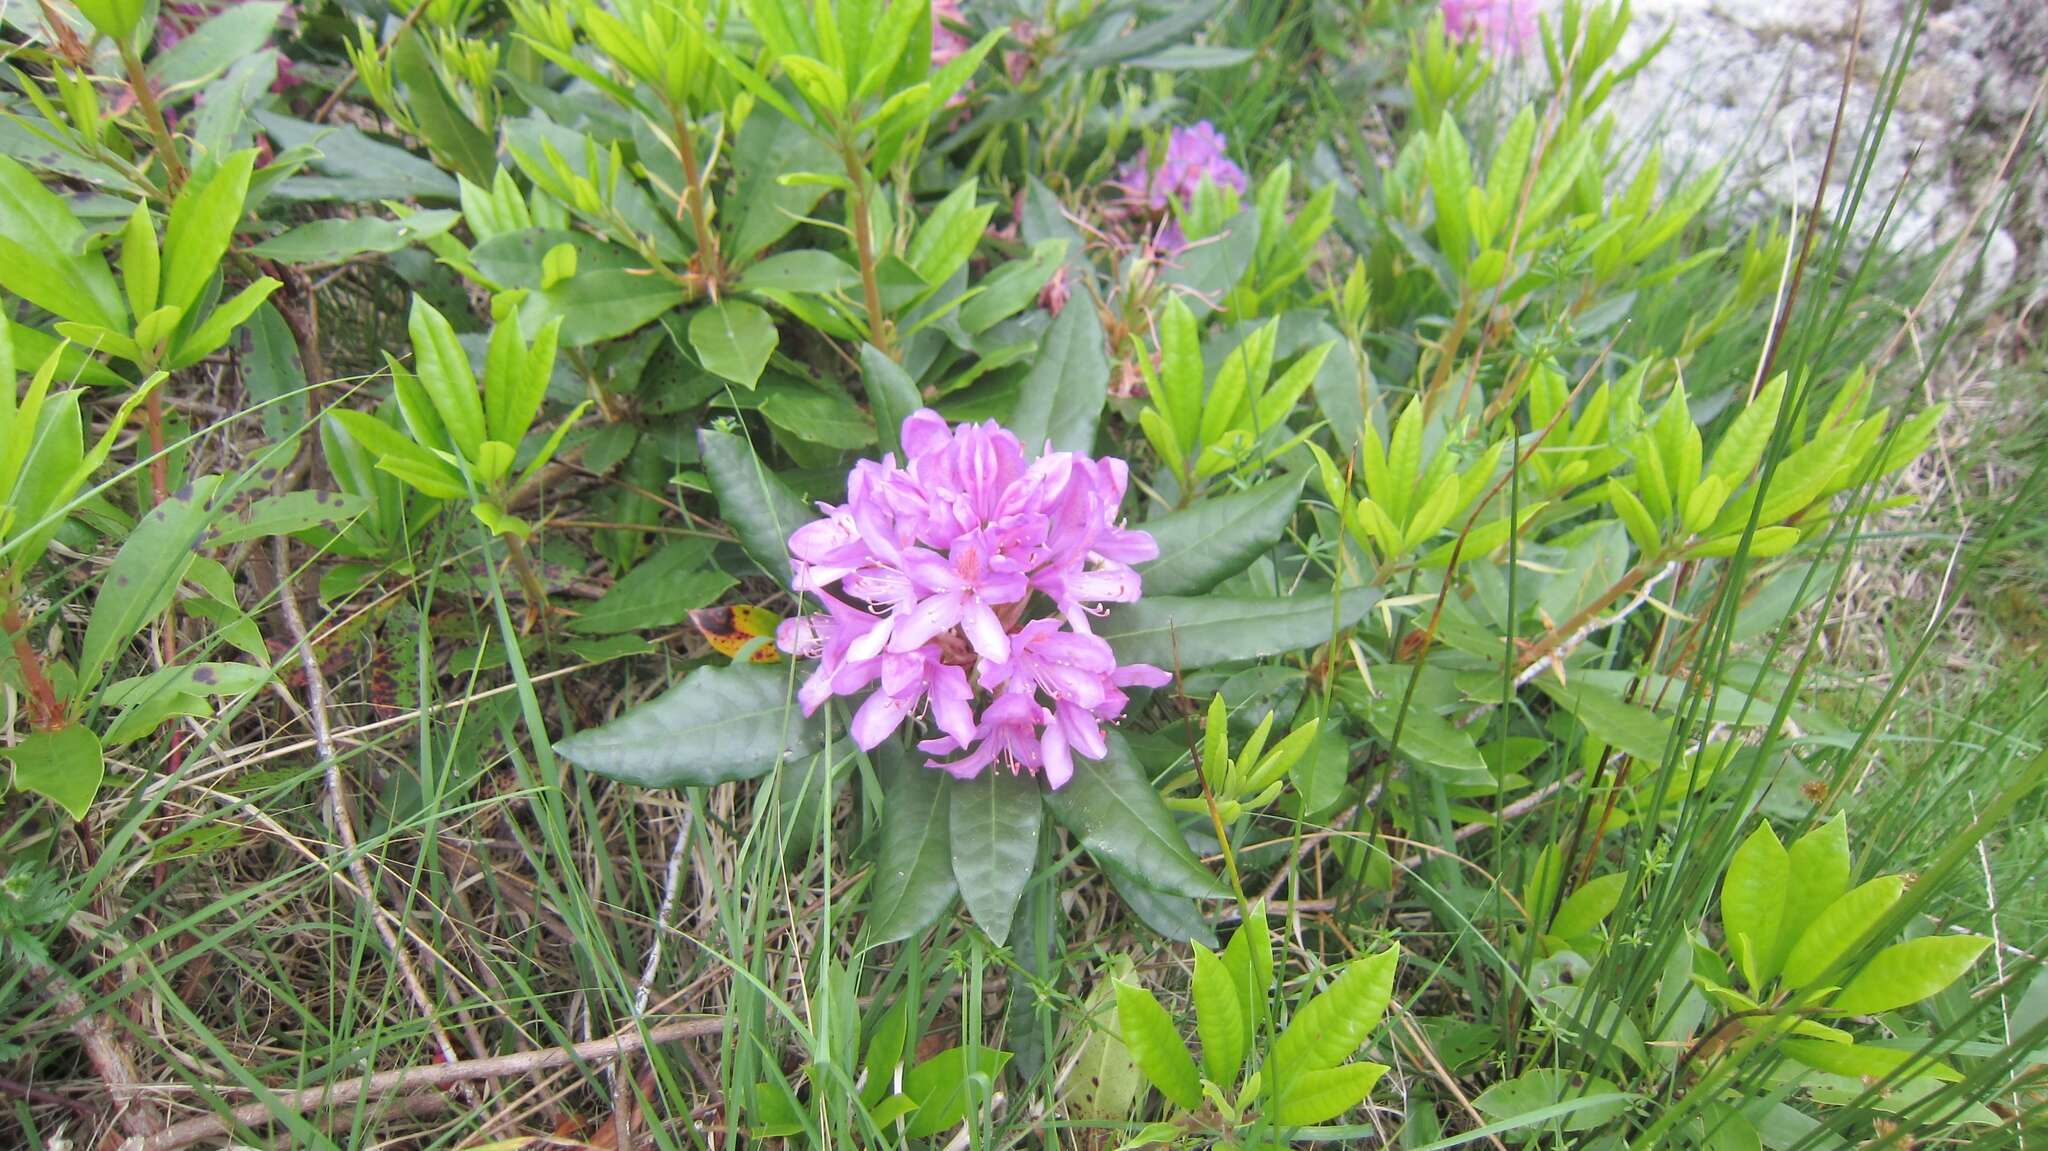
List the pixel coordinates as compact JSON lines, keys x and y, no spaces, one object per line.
{"x":957,"y":589}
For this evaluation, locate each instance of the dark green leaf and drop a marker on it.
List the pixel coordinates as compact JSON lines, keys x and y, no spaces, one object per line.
{"x":287,"y":513}
{"x":1185,"y":633}
{"x":1116,"y":813}
{"x":719,"y":724}
{"x":1203,"y":545}
{"x":446,"y":128}
{"x":754,"y":500}
{"x":1062,"y":397}
{"x":913,"y":882}
{"x":804,"y":270}
{"x":356,"y":167}
{"x":325,"y":241}
{"x":733,"y":340}
{"x":661,"y":591}
{"x":600,"y":304}
{"x":892,"y":395}
{"x":994,"y":843}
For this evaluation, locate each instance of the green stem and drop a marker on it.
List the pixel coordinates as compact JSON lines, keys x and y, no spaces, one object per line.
{"x":529,"y":578}
{"x":153,"y":114}
{"x":713,"y":266}
{"x":864,"y":247}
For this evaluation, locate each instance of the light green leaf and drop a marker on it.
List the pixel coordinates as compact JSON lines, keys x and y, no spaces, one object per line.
{"x":1154,"y":1042}
{"x":1219,"y":1018}
{"x":237,"y":31}
{"x":1589,"y":906}
{"x":948,"y":236}
{"x":719,"y":724}
{"x":1817,"y":874}
{"x":201,"y":225}
{"x":805,"y":270}
{"x":1320,"y":1096}
{"x":1753,"y":903}
{"x":1329,"y":1027}
{"x":144,"y":575}
{"x":995,"y":821}
{"x":1905,"y":973}
{"x":939,"y":1085}
{"x":442,"y":368}
{"x":1838,"y":929}
{"x":64,"y":766}
{"x":733,"y":339}
{"x":42,"y":254}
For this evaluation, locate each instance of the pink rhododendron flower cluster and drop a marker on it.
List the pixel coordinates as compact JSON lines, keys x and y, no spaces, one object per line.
{"x":947,"y":39}
{"x":1503,"y":26}
{"x":1193,"y":154}
{"x":927,"y":574}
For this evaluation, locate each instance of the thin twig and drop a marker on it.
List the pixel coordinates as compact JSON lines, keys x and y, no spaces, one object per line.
{"x":337,"y":798}
{"x":335,"y":1095}
{"x":103,"y":1047}
{"x":671,"y":883}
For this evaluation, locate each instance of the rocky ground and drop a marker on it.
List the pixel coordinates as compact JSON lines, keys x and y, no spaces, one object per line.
{"x":1755,"y":83}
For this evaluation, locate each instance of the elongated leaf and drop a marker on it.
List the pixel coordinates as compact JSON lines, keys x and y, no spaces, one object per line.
{"x":42,"y":256}
{"x":1330,"y":1027}
{"x":1196,"y":631}
{"x":995,"y":821}
{"x":1113,"y":809}
{"x":661,"y":591}
{"x":1589,"y":906}
{"x":1426,"y":739}
{"x":324,"y":241}
{"x":1320,"y":1096}
{"x":1816,"y":874}
{"x":1174,"y":917}
{"x":1154,"y":1042}
{"x":1839,"y":928}
{"x":442,"y":368}
{"x":755,"y":501}
{"x":144,"y":575}
{"x":287,"y":513}
{"x":1061,"y":399}
{"x":1905,"y":973}
{"x":202,"y":223}
{"x":1201,"y":546}
{"x":64,"y":766}
{"x":1613,"y":721}
{"x":733,"y":339}
{"x":1219,"y":1018}
{"x":892,"y":395}
{"x":719,"y":724}
{"x":1753,"y":902}
{"x":913,"y":882}
{"x":212,"y":48}
{"x":446,"y":128}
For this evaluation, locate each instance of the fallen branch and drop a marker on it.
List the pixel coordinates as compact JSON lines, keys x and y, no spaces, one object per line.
{"x":253,"y":1115}
{"x":103,"y":1048}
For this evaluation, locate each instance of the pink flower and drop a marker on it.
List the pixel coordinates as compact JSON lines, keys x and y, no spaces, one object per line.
{"x":947,"y":551}
{"x":1505,"y":27}
{"x":1193,"y":155}
{"x":947,"y":39}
